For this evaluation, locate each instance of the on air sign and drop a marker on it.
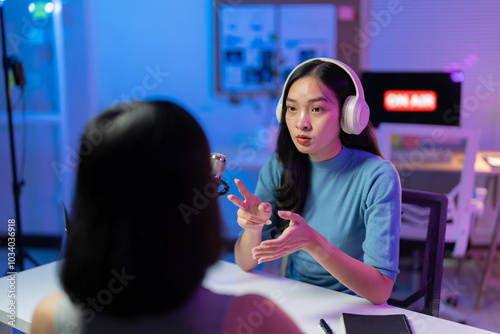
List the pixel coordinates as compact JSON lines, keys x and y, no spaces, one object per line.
{"x":410,"y":100}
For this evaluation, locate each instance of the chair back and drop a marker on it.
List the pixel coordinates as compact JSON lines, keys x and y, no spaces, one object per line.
{"x":460,"y":210}
{"x":422,"y":239}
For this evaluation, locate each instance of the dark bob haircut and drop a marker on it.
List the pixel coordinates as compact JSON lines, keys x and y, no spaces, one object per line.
{"x":145,"y":220}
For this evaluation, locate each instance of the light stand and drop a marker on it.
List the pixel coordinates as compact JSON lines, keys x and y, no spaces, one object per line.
{"x":16,"y":185}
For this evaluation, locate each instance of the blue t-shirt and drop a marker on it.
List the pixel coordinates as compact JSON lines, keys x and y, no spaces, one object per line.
{"x":354,"y":201}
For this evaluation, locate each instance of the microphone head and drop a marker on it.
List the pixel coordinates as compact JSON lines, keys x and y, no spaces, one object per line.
{"x":218,"y":163}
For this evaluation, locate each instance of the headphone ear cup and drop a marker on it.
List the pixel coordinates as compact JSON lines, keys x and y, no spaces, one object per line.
{"x":279,"y":108}
{"x":347,"y":118}
{"x":355,"y":115}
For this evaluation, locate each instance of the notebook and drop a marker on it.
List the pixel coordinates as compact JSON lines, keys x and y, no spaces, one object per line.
{"x":367,"y":324}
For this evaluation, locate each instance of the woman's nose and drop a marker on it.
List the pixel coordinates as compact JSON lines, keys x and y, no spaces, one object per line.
{"x":303,"y":121}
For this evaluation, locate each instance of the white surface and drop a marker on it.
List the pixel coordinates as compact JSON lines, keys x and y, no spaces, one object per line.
{"x":31,"y":287}
{"x":305,"y":303}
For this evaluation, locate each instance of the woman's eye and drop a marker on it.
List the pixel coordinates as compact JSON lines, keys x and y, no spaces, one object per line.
{"x":290,"y":108}
{"x":316,"y":109}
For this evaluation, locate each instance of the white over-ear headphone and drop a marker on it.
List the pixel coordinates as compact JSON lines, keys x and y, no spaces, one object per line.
{"x":355,"y":113}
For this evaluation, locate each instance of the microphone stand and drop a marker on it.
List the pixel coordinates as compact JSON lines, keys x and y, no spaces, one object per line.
{"x":16,"y":186}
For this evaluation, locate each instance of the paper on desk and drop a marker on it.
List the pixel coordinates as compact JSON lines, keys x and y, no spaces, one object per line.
{"x":493,"y":161}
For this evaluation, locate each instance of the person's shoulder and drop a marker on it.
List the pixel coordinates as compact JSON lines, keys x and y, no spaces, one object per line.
{"x":257,"y":314}
{"x":371,"y":163}
{"x":273,"y":160}
{"x":366,"y":157}
{"x":272,"y":166}
{"x":361,"y":154}
{"x":45,"y":311}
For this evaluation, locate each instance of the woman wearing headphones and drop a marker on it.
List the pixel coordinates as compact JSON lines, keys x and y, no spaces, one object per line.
{"x":326,"y":196}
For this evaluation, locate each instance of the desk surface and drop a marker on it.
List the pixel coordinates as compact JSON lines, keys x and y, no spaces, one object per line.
{"x":454,"y":165}
{"x":305,"y":303}
{"x":31,"y":286}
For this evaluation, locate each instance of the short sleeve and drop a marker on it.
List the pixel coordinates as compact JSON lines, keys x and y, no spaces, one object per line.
{"x":383,"y":219}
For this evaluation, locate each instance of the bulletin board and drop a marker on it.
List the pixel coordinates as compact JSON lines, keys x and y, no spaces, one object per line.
{"x":259,"y":42}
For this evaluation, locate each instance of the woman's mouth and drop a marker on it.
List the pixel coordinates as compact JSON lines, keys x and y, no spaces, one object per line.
{"x":303,"y":139}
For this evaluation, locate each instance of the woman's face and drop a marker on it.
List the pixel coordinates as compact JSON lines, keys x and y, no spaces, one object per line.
{"x":313,"y":119}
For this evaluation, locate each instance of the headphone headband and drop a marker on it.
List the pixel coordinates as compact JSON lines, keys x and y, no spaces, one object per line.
{"x":355,"y":111}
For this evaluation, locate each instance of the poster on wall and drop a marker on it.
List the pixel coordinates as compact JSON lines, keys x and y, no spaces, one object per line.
{"x":247,"y":41}
{"x":306,"y":31}
{"x":260,"y":44}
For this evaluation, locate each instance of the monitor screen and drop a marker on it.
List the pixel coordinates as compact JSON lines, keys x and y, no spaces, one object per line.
{"x":411,"y":97}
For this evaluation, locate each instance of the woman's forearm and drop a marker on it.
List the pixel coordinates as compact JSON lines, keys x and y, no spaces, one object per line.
{"x":359,"y":277}
{"x":243,"y":249}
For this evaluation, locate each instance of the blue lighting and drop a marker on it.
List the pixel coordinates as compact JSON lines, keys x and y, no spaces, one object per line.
{"x":457,"y":76}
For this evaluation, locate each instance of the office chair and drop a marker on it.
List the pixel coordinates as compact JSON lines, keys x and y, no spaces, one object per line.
{"x":423,"y":229}
{"x":463,"y":207}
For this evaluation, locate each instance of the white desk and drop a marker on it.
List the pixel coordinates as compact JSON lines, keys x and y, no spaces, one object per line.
{"x":305,"y":303}
{"x":31,"y":287}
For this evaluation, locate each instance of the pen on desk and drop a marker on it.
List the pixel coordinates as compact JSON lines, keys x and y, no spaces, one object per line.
{"x":325,"y":327}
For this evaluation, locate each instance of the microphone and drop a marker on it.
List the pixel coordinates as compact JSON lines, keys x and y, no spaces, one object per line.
{"x":218,"y":163}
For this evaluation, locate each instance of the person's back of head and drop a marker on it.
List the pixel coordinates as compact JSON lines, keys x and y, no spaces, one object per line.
{"x":145,"y":220}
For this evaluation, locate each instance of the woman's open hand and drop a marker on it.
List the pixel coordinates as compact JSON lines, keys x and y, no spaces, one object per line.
{"x":298,"y":235}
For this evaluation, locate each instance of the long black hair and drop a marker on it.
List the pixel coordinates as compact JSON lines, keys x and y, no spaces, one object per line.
{"x":145,"y":220}
{"x":295,"y":175}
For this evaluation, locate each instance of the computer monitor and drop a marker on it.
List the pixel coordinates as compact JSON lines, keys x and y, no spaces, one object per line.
{"x":413,"y":97}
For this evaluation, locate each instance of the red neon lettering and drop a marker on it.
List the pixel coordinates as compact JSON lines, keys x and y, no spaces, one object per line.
{"x":410,"y":100}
